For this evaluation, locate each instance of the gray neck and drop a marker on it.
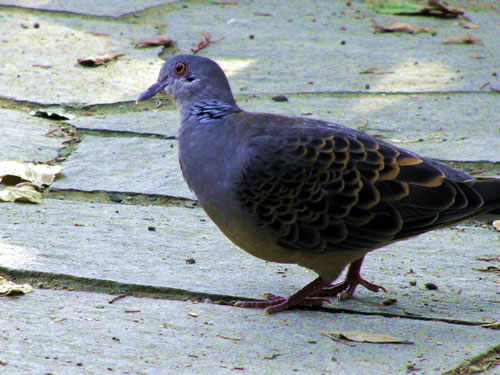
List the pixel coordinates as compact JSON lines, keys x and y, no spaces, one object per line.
{"x":213,"y":100}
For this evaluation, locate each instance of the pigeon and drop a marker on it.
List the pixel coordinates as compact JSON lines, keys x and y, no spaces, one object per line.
{"x":304,"y":191}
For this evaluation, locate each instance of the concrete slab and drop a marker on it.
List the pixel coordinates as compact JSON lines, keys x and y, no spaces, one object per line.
{"x":40,"y":63}
{"x":92,"y":7}
{"x":309,"y":51}
{"x":442,"y":126}
{"x":81,"y":333}
{"x":163,"y":123}
{"x":113,"y":242}
{"x":24,"y":137}
{"x":132,"y":164}
{"x":268,"y":37}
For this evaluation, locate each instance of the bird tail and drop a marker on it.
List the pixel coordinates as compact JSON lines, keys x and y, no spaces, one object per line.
{"x":489,"y":189}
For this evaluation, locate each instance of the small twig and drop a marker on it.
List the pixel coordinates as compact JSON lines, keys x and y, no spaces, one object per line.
{"x":117,"y":298}
{"x":228,"y":338}
{"x":205,"y":42}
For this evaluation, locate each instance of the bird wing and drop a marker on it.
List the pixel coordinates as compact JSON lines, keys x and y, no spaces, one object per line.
{"x":329,"y":188}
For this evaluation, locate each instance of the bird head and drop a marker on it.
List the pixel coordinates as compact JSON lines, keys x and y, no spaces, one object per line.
{"x":191,"y":79}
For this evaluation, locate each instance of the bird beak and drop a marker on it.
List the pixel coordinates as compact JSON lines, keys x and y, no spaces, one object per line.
{"x":151,"y":91}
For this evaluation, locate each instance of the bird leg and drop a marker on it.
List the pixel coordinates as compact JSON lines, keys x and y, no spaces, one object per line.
{"x":275,"y":304}
{"x":346,"y":288}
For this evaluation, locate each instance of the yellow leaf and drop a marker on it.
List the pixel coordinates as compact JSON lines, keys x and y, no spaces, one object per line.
{"x":9,"y":288}
{"x":496,"y":224}
{"x":463,"y":39}
{"x":20,"y":193}
{"x":41,"y":175}
{"x":495,"y":325}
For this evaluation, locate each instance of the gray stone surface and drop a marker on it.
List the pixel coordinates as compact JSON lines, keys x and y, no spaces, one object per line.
{"x":89,"y":7}
{"x":132,"y":164}
{"x":81,"y":333}
{"x":23,"y":137}
{"x":459,"y":127}
{"x":42,"y":62}
{"x":163,"y":123}
{"x":435,"y":92}
{"x":109,"y":241}
{"x":289,"y":50}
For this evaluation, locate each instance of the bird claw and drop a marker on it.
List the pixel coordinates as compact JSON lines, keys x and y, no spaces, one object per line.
{"x":276,"y":304}
{"x":346,"y":288}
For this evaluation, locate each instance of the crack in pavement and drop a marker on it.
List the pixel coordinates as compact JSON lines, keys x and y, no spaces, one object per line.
{"x":59,"y":281}
{"x":120,"y":197}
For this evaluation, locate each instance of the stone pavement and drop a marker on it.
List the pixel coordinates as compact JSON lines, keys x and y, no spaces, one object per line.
{"x":131,"y":277}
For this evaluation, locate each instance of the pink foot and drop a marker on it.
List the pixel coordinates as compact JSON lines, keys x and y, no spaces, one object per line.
{"x":346,"y":288}
{"x":276,"y":304}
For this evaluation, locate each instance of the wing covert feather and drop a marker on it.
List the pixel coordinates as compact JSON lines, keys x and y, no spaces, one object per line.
{"x":331,"y":189}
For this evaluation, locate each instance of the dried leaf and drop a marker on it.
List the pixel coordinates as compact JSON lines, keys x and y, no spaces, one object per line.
{"x":205,"y":42}
{"x":402,"y":27}
{"x":367,"y":337}
{"x":489,"y":259}
{"x":434,"y":8}
{"x":41,"y":175}
{"x":496,"y":224}
{"x":98,"y":33}
{"x":43,"y":66}
{"x":396,"y":140}
{"x":58,"y":320}
{"x":154,"y":41}
{"x":272,"y":356}
{"x":98,"y":60}
{"x":228,"y":338}
{"x":492,"y":269}
{"x":463,"y":39}
{"x":374,"y":71}
{"x":9,"y":288}
{"x":467,"y":25}
{"x":495,"y":325}
{"x":438,"y":9}
{"x":23,"y":193}
{"x":49,"y":115}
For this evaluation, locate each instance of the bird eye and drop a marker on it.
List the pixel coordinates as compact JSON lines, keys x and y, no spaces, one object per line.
{"x":180,"y":68}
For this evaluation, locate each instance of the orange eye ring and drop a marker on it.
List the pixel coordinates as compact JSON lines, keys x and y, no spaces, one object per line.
{"x":179,"y":68}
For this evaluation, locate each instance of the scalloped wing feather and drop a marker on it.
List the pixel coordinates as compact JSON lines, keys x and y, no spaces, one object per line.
{"x":330,"y":188}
